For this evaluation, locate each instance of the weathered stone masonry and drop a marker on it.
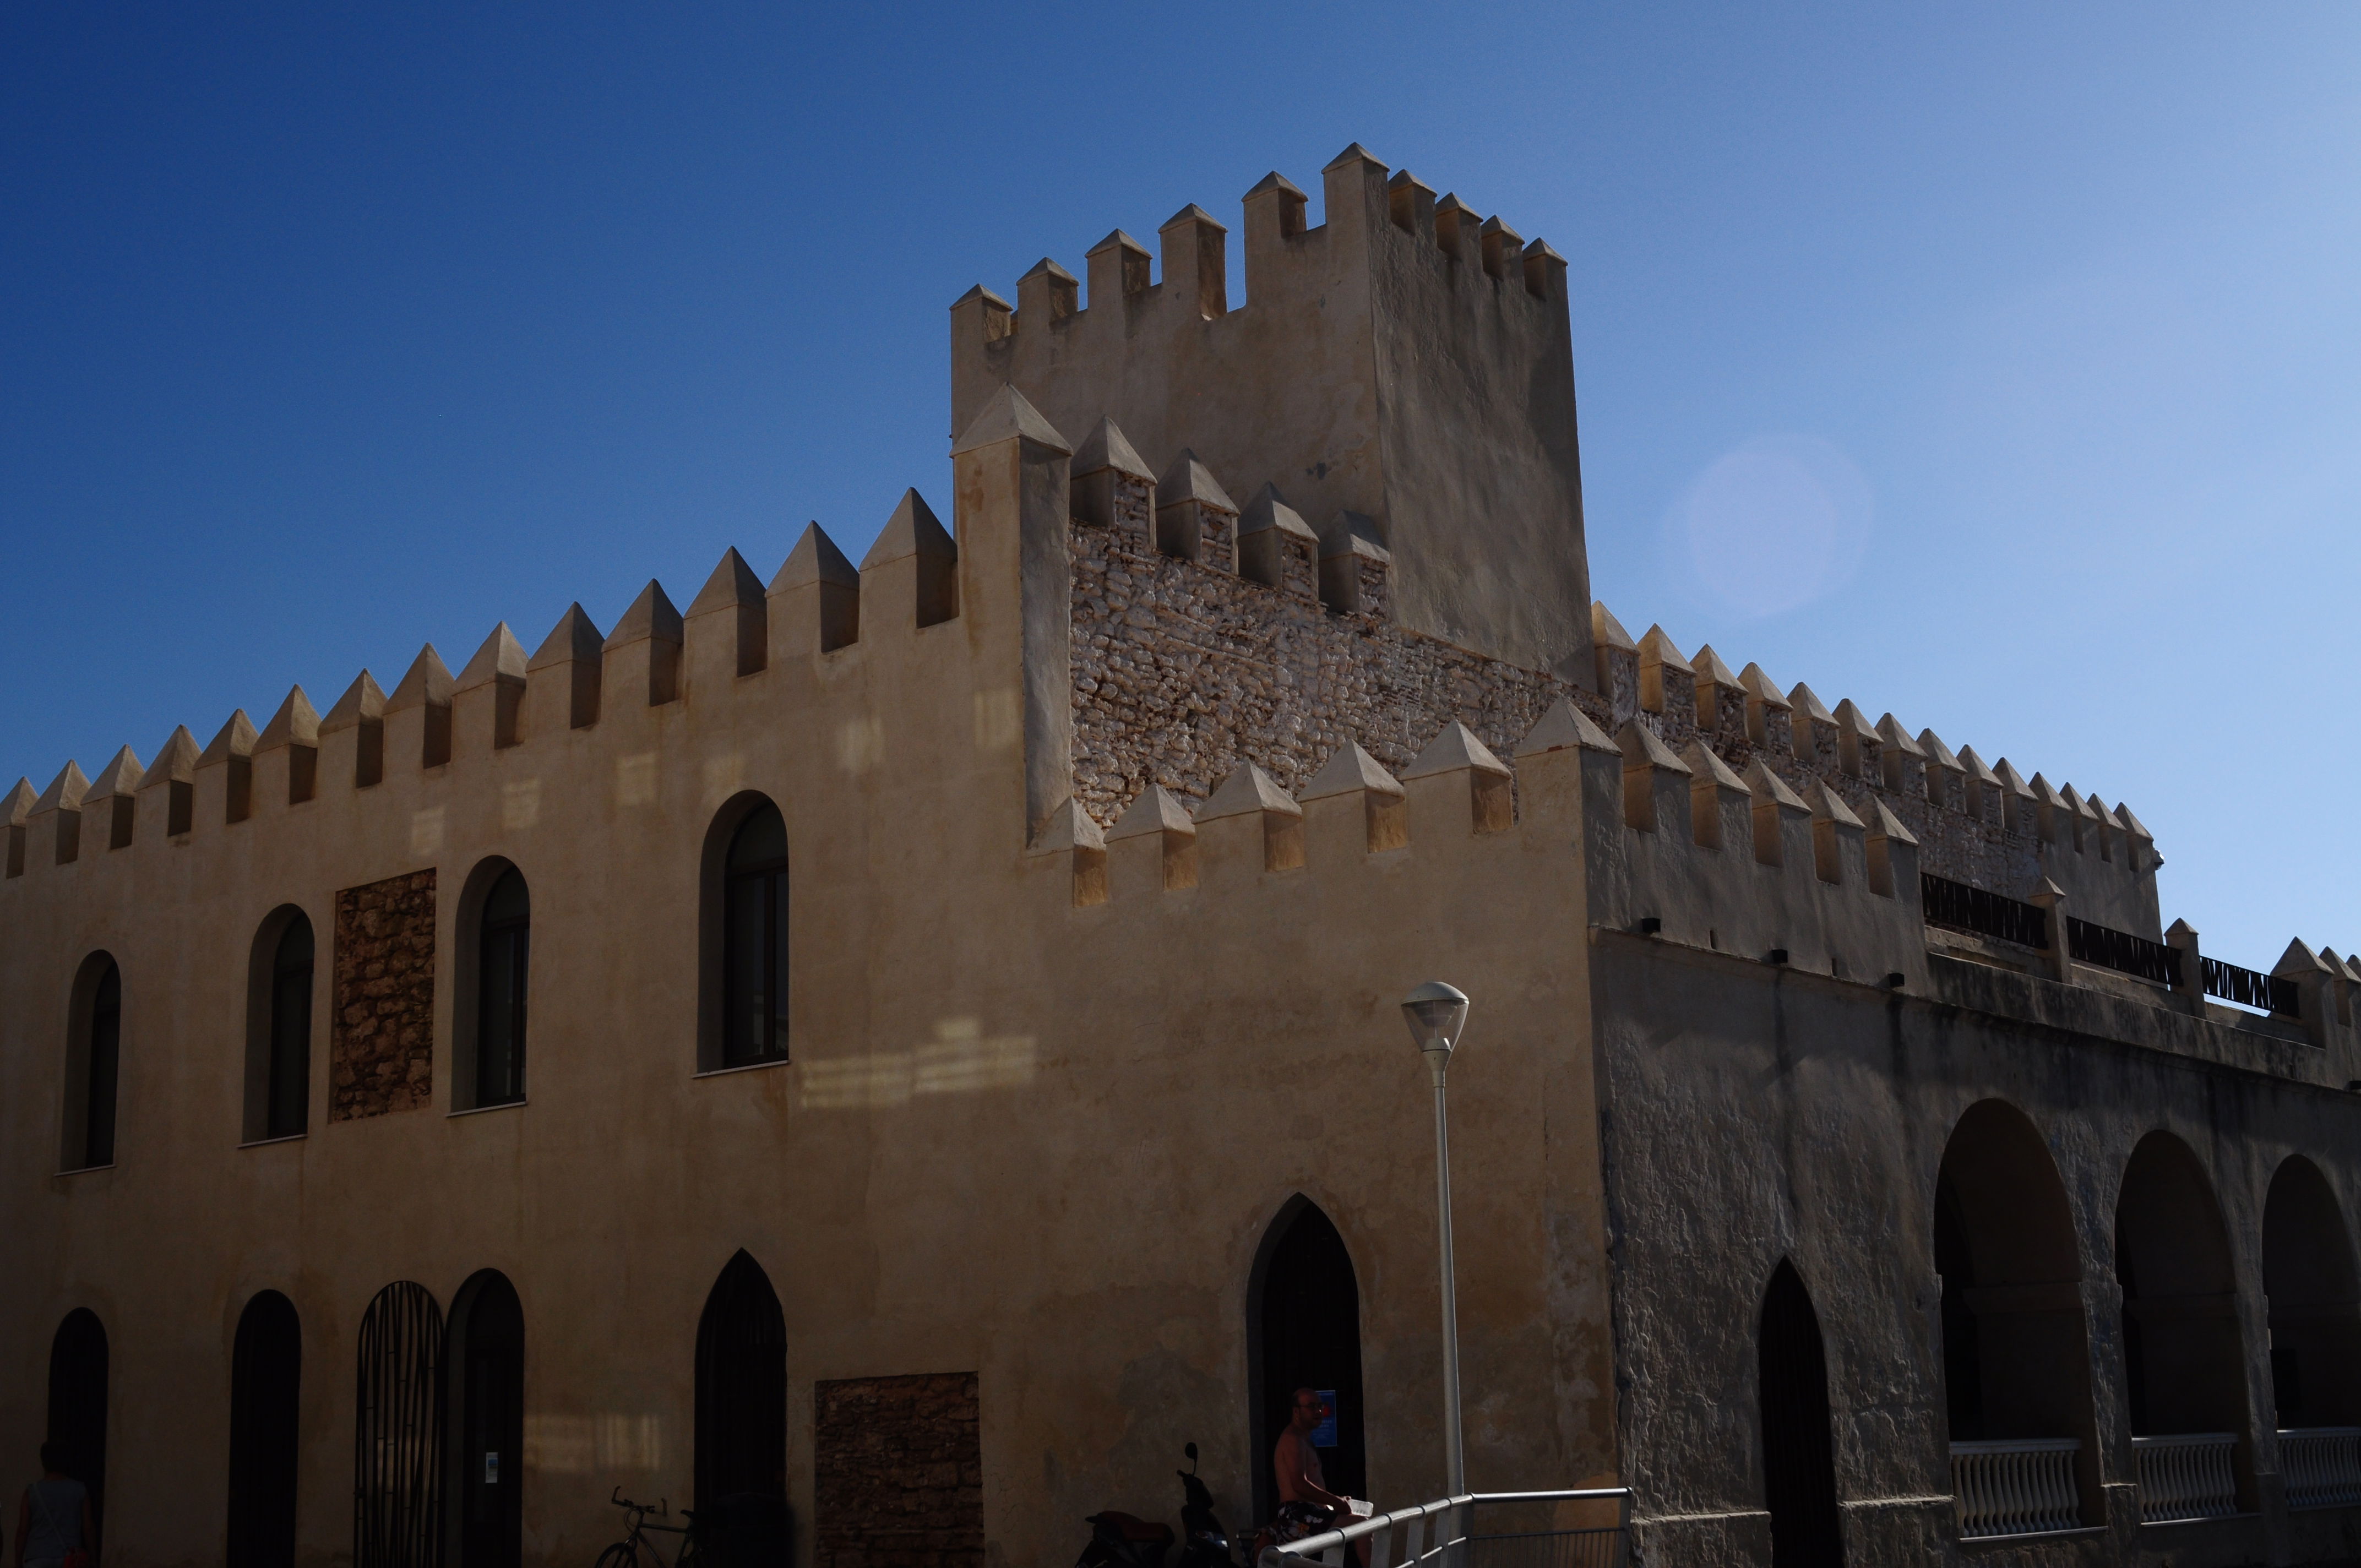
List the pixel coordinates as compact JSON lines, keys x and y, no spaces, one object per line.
{"x":899,"y":1473}
{"x":382,"y":1054}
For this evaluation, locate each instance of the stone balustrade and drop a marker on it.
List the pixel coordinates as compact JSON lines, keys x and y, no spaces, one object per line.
{"x":2322,"y":1466}
{"x":2017,"y":1487}
{"x":2186,"y":1475}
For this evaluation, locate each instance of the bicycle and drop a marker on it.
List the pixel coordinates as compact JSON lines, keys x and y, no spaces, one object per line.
{"x":626,"y":1552}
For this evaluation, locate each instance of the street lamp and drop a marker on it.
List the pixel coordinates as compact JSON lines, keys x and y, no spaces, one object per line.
{"x":1435,"y":1013}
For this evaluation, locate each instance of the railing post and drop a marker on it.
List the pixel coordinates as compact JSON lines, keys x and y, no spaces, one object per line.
{"x":2182,"y":938}
{"x":2050,"y":899}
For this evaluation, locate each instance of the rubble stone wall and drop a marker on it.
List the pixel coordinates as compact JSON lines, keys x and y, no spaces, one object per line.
{"x":381,"y":1052}
{"x":898,"y":1473}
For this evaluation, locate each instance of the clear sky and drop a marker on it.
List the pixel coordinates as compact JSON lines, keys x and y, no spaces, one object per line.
{"x":1998,"y":365}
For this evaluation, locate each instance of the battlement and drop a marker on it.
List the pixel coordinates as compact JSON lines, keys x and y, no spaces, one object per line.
{"x":1403,"y":372}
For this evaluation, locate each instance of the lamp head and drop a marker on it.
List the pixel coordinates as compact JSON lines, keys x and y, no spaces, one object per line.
{"x":1435,"y":1013}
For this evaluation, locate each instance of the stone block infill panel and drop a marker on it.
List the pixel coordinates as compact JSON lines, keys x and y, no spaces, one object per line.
{"x":381,"y":1049}
{"x":899,"y":1473}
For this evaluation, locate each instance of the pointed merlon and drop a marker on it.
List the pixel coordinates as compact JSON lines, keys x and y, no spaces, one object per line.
{"x":17,"y":803}
{"x":1354,"y":534}
{"x":1193,"y":214}
{"x":1657,"y":648}
{"x":1932,"y":746}
{"x":1247,"y":790}
{"x":983,"y":295}
{"x":1157,"y":810}
{"x":1275,"y":181}
{"x":1607,"y":632}
{"x":1768,"y":785}
{"x":295,"y":724}
{"x":1890,"y":732}
{"x":1707,"y":666}
{"x":1106,"y":447}
{"x":1067,"y":826}
{"x":1350,"y":770}
{"x":1642,"y":749}
{"x":733,"y":584}
{"x":1564,"y":727}
{"x":1118,"y":240}
{"x":65,"y":792}
{"x":235,"y":739}
{"x":1807,"y":705}
{"x":176,"y":759}
{"x":2131,"y":824}
{"x":1762,"y":688}
{"x":913,"y":530}
{"x":2043,"y":790}
{"x":500,"y":658}
{"x":1268,"y":509}
{"x":120,"y":776}
{"x":1704,"y":764}
{"x":2297,"y":963}
{"x":1455,"y":748}
{"x":1976,"y":767}
{"x":1883,"y":824}
{"x":2009,"y":779}
{"x":426,"y":684}
{"x":1850,"y":721}
{"x":575,"y":639}
{"x":362,"y":703}
{"x":1006,"y":417}
{"x":651,"y":618}
{"x":1828,"y":804}
{"x":1355,"y":153}
{"x":1047,"y":267}
{"x":1189,"y":480}
{"x":815,"y":559}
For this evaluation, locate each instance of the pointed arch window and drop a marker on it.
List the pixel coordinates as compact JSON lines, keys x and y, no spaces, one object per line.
{"x":754,"y":941}
{"x":503,"y":946}
{"x":278,"y":1028}
{"x":93,"y":1057}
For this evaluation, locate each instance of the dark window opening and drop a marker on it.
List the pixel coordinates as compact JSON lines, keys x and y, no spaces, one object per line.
{"x":742,"y":1388}
{"x":286,"y":1106}
{"x":1799,"y":1484}
{"x":487,"y":1353}
{"x":2286,"y":1385}
{"x":1307,"y":1320}
{"x":1963,"y":1377}
{"x":101,"y":1067}
{"x":503,"y":947}
{"x":754,"y":941}
{"x":78,"y":1402}
{"x":265,"y":1399}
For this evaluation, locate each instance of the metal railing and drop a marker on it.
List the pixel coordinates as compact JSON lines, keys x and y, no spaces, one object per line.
{"x":2251,"y":988}
{"x":1445,"y":1533}
{"x":2017,"y":1487}
{"x":2123,"y":952}
{"x":2322,"y":1466}
{"x":2186,"y":1475}
{"x":1972,"y":909}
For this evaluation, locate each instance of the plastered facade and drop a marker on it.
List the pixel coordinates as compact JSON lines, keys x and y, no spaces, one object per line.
{"x":1120,"y":816}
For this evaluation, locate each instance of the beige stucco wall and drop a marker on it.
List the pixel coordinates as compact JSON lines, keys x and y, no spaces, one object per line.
{"x":1017,"y":1136}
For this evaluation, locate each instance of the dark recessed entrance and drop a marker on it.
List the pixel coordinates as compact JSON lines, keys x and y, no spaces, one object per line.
{"x":266,"y":1374}
{"x":1800,"y":1480}
{"x":1304,"y":1325}
{"x":78,"y":1401}
{"x":487,"y":1360}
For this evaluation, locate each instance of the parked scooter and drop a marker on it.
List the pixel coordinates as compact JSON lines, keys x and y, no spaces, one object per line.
{"x":1125,"y":1540}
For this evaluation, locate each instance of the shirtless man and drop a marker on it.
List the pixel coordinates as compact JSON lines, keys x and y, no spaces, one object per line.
{"x":1306,"y":1506}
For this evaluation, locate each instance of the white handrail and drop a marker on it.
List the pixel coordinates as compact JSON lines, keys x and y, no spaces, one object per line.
{"x":2019,"y":1486}
{"x":2186,"y":1475}
{"x":1432,"y":1529}
{"x":2322,"y":1466}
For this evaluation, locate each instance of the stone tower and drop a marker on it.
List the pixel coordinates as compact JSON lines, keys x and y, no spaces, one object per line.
{"x":1404,"y":371}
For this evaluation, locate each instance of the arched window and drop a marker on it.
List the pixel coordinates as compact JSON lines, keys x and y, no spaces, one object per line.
{"x":266,"y":1375}
{"x":1303,"y":1311}
{"x":2183,"y":1369}
{"x":741,"y":1388}
{"x":78,"y":1358}
{"x":93,"y":1055}
{"x":486,"y":1474}
{"x":1799,"y":1479}
{"x":2017,"y":1358}
{"x":492,"y":986}
{"x":754,"y":941}
{"x":278,"y":1027}
{"x":398,"y":1440}
{"x":2315,"y":1302}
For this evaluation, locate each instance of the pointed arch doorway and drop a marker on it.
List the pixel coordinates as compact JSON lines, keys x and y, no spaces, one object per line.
{"x":1799,"y":1483}
{"x":1303,"y":1326}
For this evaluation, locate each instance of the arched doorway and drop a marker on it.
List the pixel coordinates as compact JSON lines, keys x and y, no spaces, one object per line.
{"x":742,"y":1390}
{"x":1799,"y":1472}
{"x":78,"y":1401}
{"x":2183,"y":1368}
{"x":398,"y":1446}
{"x":2315,"y":1301}
{"x":486,"y":1468}
{"x":1304,"y":1310}
{"x":266,"y":1374}
{"x":2016,"y":1361}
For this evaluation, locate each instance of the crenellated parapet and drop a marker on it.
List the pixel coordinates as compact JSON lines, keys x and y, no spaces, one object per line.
{"x":1402,"y":371}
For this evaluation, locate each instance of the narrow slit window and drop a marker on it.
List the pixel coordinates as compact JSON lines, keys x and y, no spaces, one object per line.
{"x":290,"y":1032}
{"x":754,"y":942}
{"x":504,"y":946}
{"x":101,"y":1064}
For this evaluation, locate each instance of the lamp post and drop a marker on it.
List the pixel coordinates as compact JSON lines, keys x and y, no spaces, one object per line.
{"x":1435,"y":1013}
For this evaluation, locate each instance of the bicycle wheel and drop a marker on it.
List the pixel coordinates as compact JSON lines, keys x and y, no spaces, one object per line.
{"x":621,"y":1555}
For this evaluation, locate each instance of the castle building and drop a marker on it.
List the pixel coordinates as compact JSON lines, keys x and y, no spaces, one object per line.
{"x":890,"y":1054}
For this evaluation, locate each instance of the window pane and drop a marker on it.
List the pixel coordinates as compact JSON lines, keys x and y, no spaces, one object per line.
{"x":761,"y":842}
{"x":745,"y":1002}
{"x":508,"y":901}
{"x":105,"y":1040}
{"x":778,"y":912}
{"x":500,"y":1028}
{"x":291,"y":1045}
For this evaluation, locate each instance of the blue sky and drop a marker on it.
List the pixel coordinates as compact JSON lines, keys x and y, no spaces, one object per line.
{"x":1999,"y":366}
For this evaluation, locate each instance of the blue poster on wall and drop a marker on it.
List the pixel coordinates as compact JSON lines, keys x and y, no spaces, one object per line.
{"x":1324,"y":1434}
